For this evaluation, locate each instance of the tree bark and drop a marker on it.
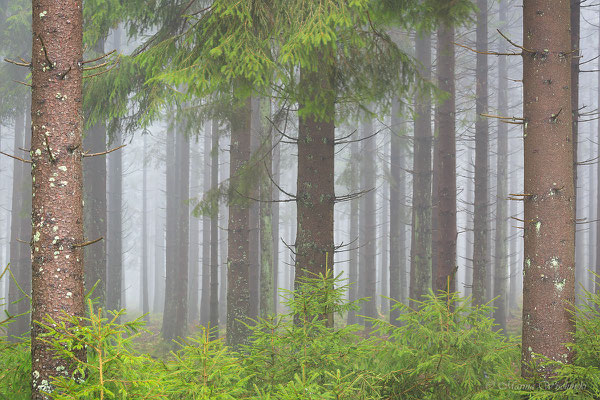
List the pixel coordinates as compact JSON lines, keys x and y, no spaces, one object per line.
{"x":275,"y":221}
{"x":501,"y":257}
{"x":397,"y":211}
{"x":368,"y":223}
{"x":315,"y":185}
{"x":194,"y":242}
{"x":114,"y":279}
{"x":57,"y":199}
{"x":214,"y":232}
{"x":95,"y":207}
{"x":206,"y":231}
{"x":446,"y":266}
{"x":420,"y":251}
{"x":354,"y":233}
{"x":267,"y":306}
{"x":480,"y":219}
{"x":144,"y":267}
{"x":384,"y":229}
{"x":238,"y":289}
{"x":549,"y":184}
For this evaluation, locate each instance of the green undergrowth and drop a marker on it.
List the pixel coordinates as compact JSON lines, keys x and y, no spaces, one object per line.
{"x":446,"y":348}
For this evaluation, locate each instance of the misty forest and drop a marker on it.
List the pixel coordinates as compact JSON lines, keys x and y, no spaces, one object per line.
{"x":299,"y":199}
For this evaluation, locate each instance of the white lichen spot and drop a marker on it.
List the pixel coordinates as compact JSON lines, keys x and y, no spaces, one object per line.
{"x":538,"y":226}
{"x":63,"y":168}
{"x":36,"y":236}
{"x":38,"y":152}
{"x":64,"y":183}
{"x":35,"y":374}
{"x":67,"y":256}
{"x":51,"y":179}
{"x":43,"y":14}
{"x":69,"y":295}
{"x":54,"y":228}
{"x":554,"y":262}
{"x":560,"y":285}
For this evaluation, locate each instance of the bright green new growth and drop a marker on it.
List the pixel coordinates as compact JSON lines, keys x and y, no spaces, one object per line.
{"x":445,"y":349}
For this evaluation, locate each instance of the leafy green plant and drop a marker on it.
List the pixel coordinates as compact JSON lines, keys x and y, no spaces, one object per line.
{"x":112,"y":370}
{"x":444,"y":349}
{"x":301,"y":356}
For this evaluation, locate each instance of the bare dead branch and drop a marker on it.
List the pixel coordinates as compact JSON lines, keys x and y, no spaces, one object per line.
{"x":86,"y":154}
{"x":513,"y":43}
{"x":15,"y":157}
{"x":98,"y":58}
{"x":20,"y":64}
{"x":88,"y":243}
{"x":489,"y":53}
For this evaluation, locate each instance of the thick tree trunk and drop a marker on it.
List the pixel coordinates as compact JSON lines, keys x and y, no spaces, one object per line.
{"x":420,"y":250}
{"x":214,"y":231}
{"x":315,"y":186}
{"x":445,"y":254}
{"x":469,"y":222}
{"x":548,"y":189}
{"x":397,"y":211}
{"x":57,"y":202}
{"x":222,"y":244}
{"x":500,"y":257}
{"x":238,"y":289}
{"x":206,"y":231}
{"x":480,"y":219}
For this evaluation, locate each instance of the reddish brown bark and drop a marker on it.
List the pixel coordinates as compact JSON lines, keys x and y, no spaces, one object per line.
{"x":549,"y":193}
{"x":56,"y":151}
{"x":446,"y":158}
{"x":315,"y":186}
{"x":238,"y":289}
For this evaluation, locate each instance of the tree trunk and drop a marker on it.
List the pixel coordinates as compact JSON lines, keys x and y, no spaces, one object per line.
{"x":354,"y":234}
{"x":170,"y":236}
{"x":214,"y":231}
{"x":275,"y":220}
{"x":238,"y":289}
{"x":206,"y":231}
{"x":580,"y":266}
{"x":446,"y":266}
{"x":368,"y":222}
{"x":57,"y":199}
{"x":420,"y":250}
{"x":397,"y":211}
{"x":95,"y":211}
{"x":144,"y":268}
{"x":549,"y":192}
{"x":315,"y":185}
{"x":254,"y":221}
{"x":175,"y":323}
{"x":15,"y":297}
{"x":384,"y":281}
{"x":194,"y":242}
{"x":159,"y":262}
{"x":480,"y":219}
{"x":267,"y":306}
{"x":114,"y":290}
{"x":501,"y":258}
